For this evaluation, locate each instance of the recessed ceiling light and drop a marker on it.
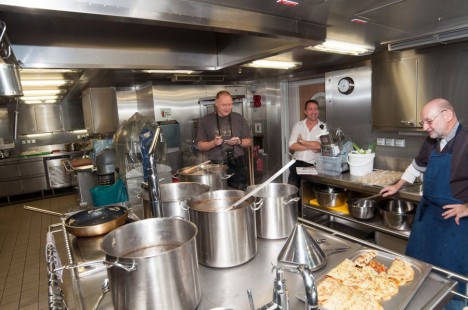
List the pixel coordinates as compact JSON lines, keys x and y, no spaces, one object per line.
{"x":340,"y":47}
{"x":274,"y":64}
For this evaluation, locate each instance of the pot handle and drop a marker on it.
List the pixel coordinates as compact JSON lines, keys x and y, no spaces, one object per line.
{"x":125,"y":266}
{"x":258,"y":205}
{"x":66,"y":267}
{"x":296,"y":199}
{"x":227,"y":176}
{"x":181,"y":203}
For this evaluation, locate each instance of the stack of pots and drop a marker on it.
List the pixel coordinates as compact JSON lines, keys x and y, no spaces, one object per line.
{"x":227,"y":236}
{"x":213,"y":175}
{"x":277,"y":216}
{"x":174,"y":197}
{"x":153,"y":265}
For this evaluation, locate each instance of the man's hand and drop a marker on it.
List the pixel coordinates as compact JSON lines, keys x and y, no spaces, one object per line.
{"x":233,"y":141}
{"x":218,"y":140}
{"x":457,"y":210}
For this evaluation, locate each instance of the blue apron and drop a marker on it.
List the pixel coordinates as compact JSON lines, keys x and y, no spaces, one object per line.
{"x":433,"y":239}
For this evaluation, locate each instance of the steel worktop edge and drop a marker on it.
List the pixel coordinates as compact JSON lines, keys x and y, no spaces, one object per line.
{"x":226,"y":288}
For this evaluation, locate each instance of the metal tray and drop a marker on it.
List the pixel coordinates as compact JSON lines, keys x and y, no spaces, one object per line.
{"x":406,"y":292}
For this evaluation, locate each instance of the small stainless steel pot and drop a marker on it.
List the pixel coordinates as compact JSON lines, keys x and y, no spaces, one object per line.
{"x":213,"y":175}
{"x":277,"y":216}
{"x":174,"y":197}
{"x":227,"y":236}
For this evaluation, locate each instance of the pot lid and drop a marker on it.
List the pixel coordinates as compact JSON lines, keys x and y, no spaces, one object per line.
{"x":301,"y":249}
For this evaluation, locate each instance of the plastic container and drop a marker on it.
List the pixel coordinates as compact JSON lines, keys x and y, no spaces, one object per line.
{"x":328,"y":165}
{"x":360,"y":164}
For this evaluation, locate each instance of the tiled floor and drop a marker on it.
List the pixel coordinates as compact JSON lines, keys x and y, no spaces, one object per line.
{"x":23,"y":269}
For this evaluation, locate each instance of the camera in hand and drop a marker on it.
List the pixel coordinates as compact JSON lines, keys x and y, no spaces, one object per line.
{"x":230,"y":158}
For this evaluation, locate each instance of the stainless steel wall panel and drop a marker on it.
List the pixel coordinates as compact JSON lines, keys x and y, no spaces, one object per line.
{"x":100,"y":110}
{"x":48,"y":118}
{"x":32,"y":168}
{"x":126,"y":103}
{"x":352,"y":113}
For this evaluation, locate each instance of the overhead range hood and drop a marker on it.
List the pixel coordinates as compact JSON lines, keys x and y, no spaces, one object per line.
{"x":10,"y":83}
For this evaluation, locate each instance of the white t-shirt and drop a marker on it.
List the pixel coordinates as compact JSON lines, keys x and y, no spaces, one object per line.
{"x":300,"y":128}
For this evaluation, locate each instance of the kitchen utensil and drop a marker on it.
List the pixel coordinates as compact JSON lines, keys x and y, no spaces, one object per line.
{"x":363,"y":209}
{"x":366,"y":198}
{"x":193,"y":168}
{"x":166,"y":273}
{"x":226,"y":237}
{"x":301,"y":249}
{"x":278,"y":215}
{"x":261,"y":186}
{"x":105,"y":289}
{"x":213,"y":175}
{"x":89,"y":223}
{"x":328,"y":196}
{"x":397,"y":214}
{"x":174,"y":197}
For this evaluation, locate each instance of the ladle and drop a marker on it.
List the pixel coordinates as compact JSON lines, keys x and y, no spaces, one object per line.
{"x":105,"y":289}
{"x":261,"y":186}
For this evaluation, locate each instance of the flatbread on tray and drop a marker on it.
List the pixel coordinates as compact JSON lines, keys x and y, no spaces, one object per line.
{"x":362,"y":283}
{"x":380,"y":178}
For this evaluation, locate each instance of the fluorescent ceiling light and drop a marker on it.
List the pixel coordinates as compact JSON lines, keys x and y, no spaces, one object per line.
{"x":340,"y":47}
{"x":42,"y":92}
{"x":35,"y":71}
{"x":28,"y":83}
{"x":42,"y":101}
{"x":50,"y":97}
{"x":273,"y":64}
{"x":80,"y":131}
{"x":35,"y":135}
{"x":172,"y":71}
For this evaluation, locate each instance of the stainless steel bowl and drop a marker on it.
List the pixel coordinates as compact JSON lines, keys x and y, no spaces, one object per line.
{"x":330,"y":197}
{"x":363,"y":209}
{"x":398,"y":214}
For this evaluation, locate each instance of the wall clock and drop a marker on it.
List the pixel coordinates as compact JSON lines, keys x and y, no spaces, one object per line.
{"x":346,"y":85}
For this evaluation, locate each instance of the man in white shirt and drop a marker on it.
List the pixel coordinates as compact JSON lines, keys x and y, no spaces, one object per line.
{"x":304,"y":141}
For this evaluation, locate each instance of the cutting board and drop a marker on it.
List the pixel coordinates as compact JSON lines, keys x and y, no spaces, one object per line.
{"x":340,"y":208}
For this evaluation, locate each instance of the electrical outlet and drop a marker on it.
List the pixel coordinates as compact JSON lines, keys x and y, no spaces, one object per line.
{"x":400,"y":142}
{"x":258,"y":127}
{"x":381,"y":141}
{"x":390,"y":142}
{"x":33,"y":141}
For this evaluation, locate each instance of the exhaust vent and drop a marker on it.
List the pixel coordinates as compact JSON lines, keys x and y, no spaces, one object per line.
{"x":197,"y":78}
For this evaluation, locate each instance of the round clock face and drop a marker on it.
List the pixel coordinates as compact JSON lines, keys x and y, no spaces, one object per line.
{"x":346,"y":85}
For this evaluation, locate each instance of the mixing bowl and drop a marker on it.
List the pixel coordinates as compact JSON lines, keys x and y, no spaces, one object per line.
{"x":362,"y":209}
{"x":330,"y":197}
{"x":397,"y":214}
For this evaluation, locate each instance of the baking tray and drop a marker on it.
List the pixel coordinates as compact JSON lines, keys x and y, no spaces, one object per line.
{"x":405,"y":292}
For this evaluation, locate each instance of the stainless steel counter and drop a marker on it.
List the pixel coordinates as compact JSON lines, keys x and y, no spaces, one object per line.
{"x":348,"y":181}
{"x":226,"y":288}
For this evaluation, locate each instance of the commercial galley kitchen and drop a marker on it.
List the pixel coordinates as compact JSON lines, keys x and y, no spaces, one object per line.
{"x":166,"y":60}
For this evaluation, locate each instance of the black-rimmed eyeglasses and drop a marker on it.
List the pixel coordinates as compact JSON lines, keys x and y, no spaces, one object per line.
{"x":429,"y":123}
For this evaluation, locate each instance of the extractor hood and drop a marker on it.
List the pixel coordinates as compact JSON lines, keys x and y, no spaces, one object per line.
{"x":10,"y":84}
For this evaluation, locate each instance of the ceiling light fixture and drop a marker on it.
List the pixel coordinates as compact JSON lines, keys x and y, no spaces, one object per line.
{"x":32,"y":83}
{"x":274,"y":64}
{"x":172,"y":71}
{"x":340,"y":47}
{"x":42,"y":92}
{"x":437,"y":38}
{"x":42,"y":101}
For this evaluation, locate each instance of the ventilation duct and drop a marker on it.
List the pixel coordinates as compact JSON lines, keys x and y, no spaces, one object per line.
{"x":197,"y":78}
{"x":444,"y":37}
{"x":10,"y":83}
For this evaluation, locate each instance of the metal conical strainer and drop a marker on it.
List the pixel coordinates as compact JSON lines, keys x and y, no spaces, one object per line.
{"x":301,"y":249}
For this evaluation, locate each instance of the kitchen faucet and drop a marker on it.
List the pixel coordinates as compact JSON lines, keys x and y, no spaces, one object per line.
{"x":280,"y":292}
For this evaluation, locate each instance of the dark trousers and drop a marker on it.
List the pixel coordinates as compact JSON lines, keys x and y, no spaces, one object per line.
{"x":295,"y":180}
{"x":237,"y":167}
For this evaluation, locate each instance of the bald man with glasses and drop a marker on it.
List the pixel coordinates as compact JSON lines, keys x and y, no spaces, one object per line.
{"x":439,"y":234}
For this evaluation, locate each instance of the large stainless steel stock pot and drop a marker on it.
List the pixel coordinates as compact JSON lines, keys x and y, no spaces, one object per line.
{"x":213,"y":175}
{"x":226,"y":236}
{"x":153,"y":265}
{"x":277,"y":216}
{"x":174,"y":197}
